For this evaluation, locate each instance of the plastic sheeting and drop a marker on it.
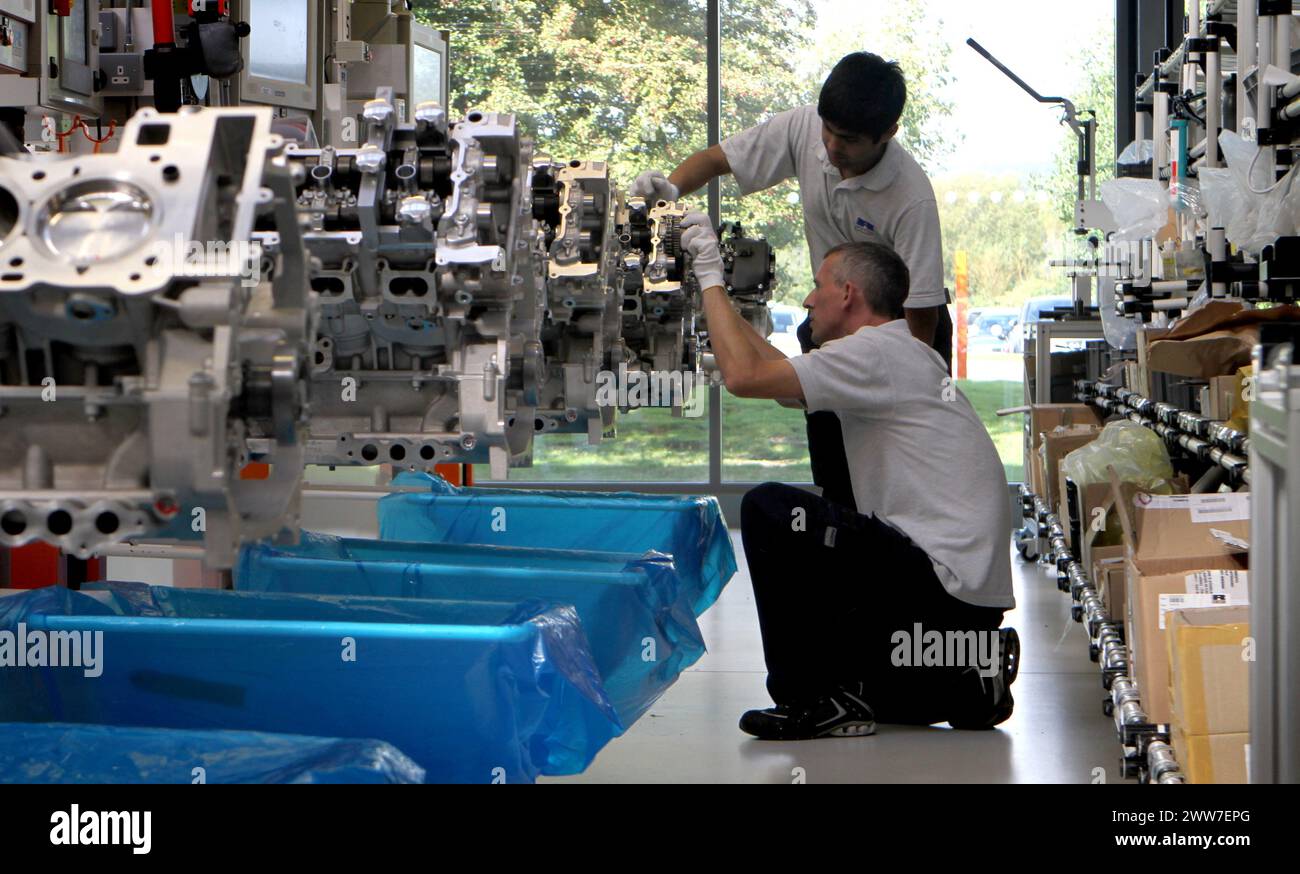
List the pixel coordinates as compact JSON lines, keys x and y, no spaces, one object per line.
{"x":1136,"y":454}
{"x":688,"y":528}
{"x":67,"y":753}
{"x":472,"y":691}
{"x":641,"y":632}
{"x":1140,"y":206}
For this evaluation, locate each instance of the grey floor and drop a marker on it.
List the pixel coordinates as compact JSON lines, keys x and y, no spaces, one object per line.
{"x":1057,"y":734}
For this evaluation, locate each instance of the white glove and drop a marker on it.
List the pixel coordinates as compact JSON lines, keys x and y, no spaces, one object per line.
{"x":699,"y":240}
{"x":654,"y":185}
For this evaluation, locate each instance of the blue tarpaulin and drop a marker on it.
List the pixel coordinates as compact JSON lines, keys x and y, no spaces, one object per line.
{"x":45,"y":752}
{"x":472,"y":691}
{"x":642,"y":635}
{"x":689,"y":528}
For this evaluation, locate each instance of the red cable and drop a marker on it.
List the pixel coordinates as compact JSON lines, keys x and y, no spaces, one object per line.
{"x":85,"y":131}
{"x":164,"y":24}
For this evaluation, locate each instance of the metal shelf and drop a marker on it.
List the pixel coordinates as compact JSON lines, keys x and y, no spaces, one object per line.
{"x":1204,"y":439}
{"x":1147,"y":754}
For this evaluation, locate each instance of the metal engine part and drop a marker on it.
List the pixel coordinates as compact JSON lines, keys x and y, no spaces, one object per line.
{"x":427,"y":267}
{"x":144,"y":355}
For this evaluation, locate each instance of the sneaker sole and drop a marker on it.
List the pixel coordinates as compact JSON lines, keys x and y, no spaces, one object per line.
{"x":852,"y":729}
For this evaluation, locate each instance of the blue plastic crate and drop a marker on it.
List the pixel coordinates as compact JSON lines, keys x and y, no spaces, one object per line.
{"x":689,"y":528}
{"x":45,"y":752}
{"x":472,"y":691}
{"x":642,"y":636}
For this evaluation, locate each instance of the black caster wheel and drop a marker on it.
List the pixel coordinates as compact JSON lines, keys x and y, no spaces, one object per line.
{"x":1076,"y":613}
{"x":1108,"y":707}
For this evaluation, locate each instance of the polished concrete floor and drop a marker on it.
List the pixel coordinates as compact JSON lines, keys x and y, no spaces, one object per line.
{"x":1056,"y":735}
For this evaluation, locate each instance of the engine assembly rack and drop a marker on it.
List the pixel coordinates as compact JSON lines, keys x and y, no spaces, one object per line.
{"x":1202,"y":438}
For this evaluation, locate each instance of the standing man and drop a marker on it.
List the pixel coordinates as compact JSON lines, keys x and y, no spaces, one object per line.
{"x":857,"y":185}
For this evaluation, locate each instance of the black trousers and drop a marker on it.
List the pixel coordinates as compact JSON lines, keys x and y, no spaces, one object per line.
{"x":835,"y":589}
{"x":830,"y":466}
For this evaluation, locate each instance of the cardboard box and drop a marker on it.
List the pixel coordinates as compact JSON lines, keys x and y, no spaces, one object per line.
{"x":1209,"y":680}
{"x":1221,"y":397}
{"x":1049,"y":417}
{"x":1213,"y":758}
{"x":1055,"y":446}
{"x":1213,"y":340}
{"x":1152,"y":598}
{"x":1171,"y":551}
{"x":1107,"y":570}
{"x":1092,"y":506}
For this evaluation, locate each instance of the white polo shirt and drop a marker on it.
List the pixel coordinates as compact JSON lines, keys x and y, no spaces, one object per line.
{"x":893,"y":203}
{"x":919,"y":457}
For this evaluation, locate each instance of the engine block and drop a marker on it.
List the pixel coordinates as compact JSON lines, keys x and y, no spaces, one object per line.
{"x":144,"y":352}
{"x":210,"y":296}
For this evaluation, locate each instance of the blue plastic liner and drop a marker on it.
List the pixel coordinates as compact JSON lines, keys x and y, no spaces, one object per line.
{"x":642,"y":636}
{"x":689,"y":528}
{"x":65,"y":753}
{"x":471,"y":691}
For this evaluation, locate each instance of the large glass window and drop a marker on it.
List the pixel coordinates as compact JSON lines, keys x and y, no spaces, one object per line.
{"x":626,"y":81}
{"x":622,"y":81}
{"x":1005,"y":197}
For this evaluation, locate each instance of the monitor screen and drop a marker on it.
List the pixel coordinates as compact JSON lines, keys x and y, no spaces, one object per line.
{"x":278,"y":42}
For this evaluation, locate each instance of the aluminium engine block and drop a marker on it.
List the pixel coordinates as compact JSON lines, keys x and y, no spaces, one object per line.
{"x":143,"y":352}
{"x":438,"y":294}
{"x":427,"y":273}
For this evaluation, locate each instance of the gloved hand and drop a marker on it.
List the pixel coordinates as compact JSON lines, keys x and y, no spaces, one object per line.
{"x":701,"y":242}
{"x":654,"y":185}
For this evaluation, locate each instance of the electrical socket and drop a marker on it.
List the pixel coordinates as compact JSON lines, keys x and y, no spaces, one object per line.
{"x":122,"y":73}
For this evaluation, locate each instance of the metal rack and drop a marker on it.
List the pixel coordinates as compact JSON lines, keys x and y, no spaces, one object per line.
{"x":1205,"y":439}
{"x":1147,"y":754}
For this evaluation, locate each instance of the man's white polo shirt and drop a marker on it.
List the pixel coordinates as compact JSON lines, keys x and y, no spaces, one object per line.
{"x":893,"y":203}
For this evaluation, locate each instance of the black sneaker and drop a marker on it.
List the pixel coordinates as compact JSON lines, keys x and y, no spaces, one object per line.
{"x":843,"y":713}
{"x":997,"y":703}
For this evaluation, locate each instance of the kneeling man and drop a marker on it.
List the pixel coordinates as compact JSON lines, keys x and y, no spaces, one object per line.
{"x":890,"y":613}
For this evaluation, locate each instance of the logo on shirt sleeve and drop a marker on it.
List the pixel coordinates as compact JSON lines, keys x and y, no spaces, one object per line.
{"x":864,"y":225}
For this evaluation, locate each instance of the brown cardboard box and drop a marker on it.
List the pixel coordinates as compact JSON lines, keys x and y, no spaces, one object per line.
{"x":1108,"y":578}
{"x":1168,"y":541}
{"x":1152,"y":595}
{"x":1090,"y":500}
{"x":1213,"y":758}
{"x":1209,"y":680}
{"x":1213,"y":340}
{"x":1221,"y":397}
{"x":1146,"y":336}
{"x":1055,"y":446}
{"x":1049,"y":417}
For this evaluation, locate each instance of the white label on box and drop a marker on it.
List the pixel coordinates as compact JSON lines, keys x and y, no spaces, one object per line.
{"x":1226,"y":507}
{"x":1201,"y":599}
{"x":1233,"y":583}
{"x":1161,"y":502}
{"x":1229,"y":507}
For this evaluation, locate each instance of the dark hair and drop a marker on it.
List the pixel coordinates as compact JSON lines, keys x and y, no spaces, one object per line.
{"x":878,"y":271}
{"x":864,"y":94}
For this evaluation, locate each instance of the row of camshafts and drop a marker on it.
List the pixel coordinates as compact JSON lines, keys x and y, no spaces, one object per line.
{"x":210,"y":295}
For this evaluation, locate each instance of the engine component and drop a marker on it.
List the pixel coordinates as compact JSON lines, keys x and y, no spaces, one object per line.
{"x":427,"y":263}
{"x":147,"y":345}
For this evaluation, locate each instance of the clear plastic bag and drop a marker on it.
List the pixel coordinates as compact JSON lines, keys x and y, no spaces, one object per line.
{"x":1140,"y":207}
{"x":1137,"y":153}
{"x":1263,"y":210}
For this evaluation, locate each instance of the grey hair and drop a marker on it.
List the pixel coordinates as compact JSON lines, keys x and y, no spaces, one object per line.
{"x":878,"y":271}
